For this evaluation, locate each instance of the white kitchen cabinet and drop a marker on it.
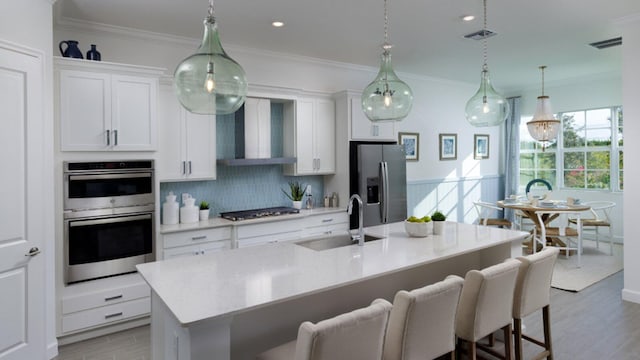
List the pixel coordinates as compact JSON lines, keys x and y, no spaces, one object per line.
{"x":257,"y":128}
{"x":309,"y":131}
{"x":91,"y":304}
{"x":106,"y":107}
{"x":269,"y":232}
{"x":359,"y":126}
{"x":188,"y":141}
{"x":326,"y":224}
{"x":196,"y":242}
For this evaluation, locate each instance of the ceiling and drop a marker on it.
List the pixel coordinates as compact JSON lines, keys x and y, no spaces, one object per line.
{"x":427,"y":35}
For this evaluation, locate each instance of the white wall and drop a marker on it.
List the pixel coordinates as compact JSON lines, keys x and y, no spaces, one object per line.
{"x":631,"y":95}
{"x":28,"y":23}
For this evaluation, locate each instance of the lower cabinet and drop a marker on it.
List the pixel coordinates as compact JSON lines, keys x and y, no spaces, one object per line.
{"x":101,"y":302}
{"x":326,"y":224}
{"x":269,"y":232}
{"x":196,"y":242}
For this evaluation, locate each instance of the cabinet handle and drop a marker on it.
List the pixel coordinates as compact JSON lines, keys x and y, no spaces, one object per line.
{"x":108,"y":137}
{"x":318,"y":164}
{"x":189,"y":167}
{"x":113,"y":297}
{"x":115,"y":136}
{"x":327,"y":220}
{"x":184,"y":168}
{"x":109,"y":316}
{"x":203,"y":237}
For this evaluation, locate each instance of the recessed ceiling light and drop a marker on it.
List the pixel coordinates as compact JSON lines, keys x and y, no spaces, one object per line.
{"x":277,"y":24}
{"x":467,"y":17}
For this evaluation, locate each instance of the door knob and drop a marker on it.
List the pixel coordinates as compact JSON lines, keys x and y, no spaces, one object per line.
{"x":33,"y":252}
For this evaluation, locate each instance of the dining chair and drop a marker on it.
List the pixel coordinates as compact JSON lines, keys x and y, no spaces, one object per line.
{"x":531,"y":294}
{"x":486,"y":306}
{"x":600,"y":217}
{"x":421,"y":324}
{"x":487,"y":215}
{"x":562,"y":236}
{"x":357,"y":335}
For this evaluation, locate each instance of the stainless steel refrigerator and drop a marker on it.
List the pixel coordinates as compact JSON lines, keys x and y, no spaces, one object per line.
{"x":378,"y":174}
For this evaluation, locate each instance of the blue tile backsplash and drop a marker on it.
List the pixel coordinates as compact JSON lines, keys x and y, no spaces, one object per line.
{"x":244,"y":187}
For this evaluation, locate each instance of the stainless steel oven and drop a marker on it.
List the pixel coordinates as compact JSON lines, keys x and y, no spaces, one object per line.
{"x":108,"y":218}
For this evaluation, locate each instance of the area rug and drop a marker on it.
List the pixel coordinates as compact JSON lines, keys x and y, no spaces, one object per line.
{"x":597,"y":264}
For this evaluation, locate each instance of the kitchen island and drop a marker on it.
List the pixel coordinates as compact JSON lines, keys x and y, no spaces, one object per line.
{"x":237,"y":303}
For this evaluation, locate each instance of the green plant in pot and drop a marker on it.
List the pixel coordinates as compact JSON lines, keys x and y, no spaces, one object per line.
{"x":204,"y":210}
{"x":438,"y":219}
{"x":296,"y":193}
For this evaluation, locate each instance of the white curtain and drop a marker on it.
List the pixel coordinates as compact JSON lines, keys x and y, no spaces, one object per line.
{"x":512,"y":153}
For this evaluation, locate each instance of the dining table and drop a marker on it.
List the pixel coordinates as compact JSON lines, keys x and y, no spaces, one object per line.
{"x":529,"y":208}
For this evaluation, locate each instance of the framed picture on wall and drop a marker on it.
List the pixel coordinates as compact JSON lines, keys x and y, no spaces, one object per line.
{"x":411,"y":144}
{"x":480,"y":146}
{"x":448,"y":146}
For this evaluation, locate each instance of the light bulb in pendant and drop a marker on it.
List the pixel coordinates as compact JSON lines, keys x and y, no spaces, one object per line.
{"x":387,"y":99}
{"x":209,"y":83}
{"x":485,"y":106}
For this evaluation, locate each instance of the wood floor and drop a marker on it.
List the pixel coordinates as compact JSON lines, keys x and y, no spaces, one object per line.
{"x":592,"y":324}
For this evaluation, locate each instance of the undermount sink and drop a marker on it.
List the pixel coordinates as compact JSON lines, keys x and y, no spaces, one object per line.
{"x":333,"y":241}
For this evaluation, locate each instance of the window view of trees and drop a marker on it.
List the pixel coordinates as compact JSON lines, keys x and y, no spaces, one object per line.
{"x":588,"y":154}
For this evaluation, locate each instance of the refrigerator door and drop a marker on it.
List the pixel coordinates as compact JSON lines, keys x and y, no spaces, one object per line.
{"x":382,"y":183}
{"x":395,"y":200}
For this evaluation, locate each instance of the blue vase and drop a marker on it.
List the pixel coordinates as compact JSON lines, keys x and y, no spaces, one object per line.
{"x":71,"y":49}
{"x":93,"y":54}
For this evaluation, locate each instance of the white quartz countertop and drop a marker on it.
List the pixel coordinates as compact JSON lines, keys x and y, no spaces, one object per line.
{"x":225,"y":283}
{"x":220,"y":222}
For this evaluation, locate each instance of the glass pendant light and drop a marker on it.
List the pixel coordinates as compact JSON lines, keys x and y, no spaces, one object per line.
{"x":486,"y":107}
{"x":209,"y":81}
{"x":386,"y":98}
{"x":544,"y":126}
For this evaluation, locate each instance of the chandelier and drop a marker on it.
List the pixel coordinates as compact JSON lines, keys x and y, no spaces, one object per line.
{"x":544,"y":126}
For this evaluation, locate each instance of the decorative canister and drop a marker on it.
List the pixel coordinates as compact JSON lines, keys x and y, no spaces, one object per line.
{"x":170,"y":210}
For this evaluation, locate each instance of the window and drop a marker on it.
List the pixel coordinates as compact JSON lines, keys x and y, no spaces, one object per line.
{"x":588,"y":155}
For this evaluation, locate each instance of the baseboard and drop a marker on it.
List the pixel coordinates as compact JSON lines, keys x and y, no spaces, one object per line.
{"x":631,"y":296}
{"x":105,"y":330}
{"x":52,"y":350}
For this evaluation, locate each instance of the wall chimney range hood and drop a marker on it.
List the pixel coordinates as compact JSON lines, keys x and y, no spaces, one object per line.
{"x":253,"y":136}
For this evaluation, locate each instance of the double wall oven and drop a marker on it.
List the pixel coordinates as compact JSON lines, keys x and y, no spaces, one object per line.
{"x":108,"y":218}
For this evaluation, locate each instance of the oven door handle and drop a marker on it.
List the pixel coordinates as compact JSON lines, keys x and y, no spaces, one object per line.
{"x":110,"y":176}
{"x":119,"y":219}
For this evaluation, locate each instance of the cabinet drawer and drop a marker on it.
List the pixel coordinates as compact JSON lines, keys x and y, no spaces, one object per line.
{"x":270,"y":238}
{"x":270,"y":228}
{"x":106,"y":314}
{"x":197,"y":249}
{"x":99,"y":298}
{"x":328,"y":219}
{"x":196,"y":237}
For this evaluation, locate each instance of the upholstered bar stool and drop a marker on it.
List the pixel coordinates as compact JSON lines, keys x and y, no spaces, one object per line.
{"x":486,"y":305}
{"x":421,"y":324}
{"x":531,"y":294}
{"x":357,"y":335}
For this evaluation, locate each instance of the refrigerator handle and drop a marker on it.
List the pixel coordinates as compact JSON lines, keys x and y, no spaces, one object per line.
{"x":384,"y":208}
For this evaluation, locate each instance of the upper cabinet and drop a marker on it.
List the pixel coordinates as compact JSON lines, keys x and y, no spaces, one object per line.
{"x":359,"y":126}
{"x":106,"y":106}
{"x":188,"y":141}
{"x":309,"y":135}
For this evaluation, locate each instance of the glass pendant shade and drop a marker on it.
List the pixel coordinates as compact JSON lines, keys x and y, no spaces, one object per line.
{"x":387,"y":98}
{"x":543,"y":127}
{"x":486,"y":107}
{"x":209,"y":81}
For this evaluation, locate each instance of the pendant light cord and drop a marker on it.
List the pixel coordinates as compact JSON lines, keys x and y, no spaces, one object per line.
{"x":484,"y":37}
{"x":386,"y":27}
{"x":542,"y":68}
{"x":210,"y":11}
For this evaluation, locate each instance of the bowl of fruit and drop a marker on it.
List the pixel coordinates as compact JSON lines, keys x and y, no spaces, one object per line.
{"x":418,"y":227}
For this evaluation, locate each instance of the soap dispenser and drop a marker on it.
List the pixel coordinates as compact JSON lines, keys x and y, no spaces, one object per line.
{"x":170,"y":210}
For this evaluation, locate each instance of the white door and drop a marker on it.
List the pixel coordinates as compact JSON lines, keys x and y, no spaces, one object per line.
{"x":22,"y":211}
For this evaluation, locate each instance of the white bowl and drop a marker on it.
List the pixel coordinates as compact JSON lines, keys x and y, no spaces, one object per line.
{"x":417,"y":229}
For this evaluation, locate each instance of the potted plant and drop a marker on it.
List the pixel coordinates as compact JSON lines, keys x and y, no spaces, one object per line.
{"x":438,"y":219}
{"x":204,"y":210}
{"x":296,"y":193}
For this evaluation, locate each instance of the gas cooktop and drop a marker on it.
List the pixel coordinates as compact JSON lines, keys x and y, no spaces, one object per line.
{"x":258,"y":213}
